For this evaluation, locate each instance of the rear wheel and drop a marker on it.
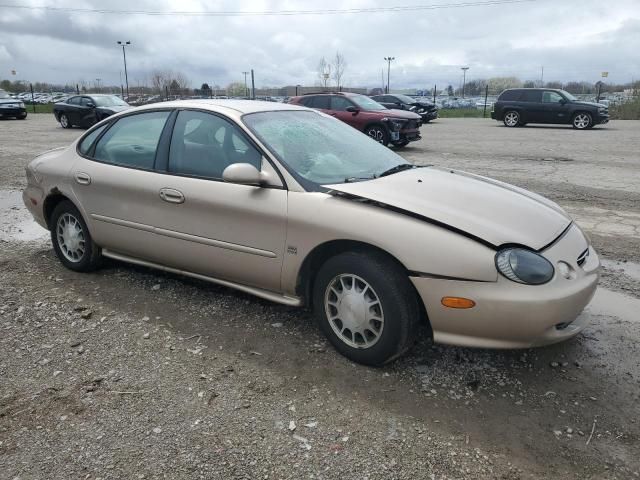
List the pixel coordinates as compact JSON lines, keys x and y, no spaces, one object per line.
{"x":366,"y":307}
{"x":71,"y":239}
{"x":64,"y":121}
{"x":582,"y":121}
{"x":511,"y":118}
{"x":378,"y":133}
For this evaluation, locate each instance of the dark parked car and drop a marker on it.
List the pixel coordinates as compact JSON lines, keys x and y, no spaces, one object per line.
{"x":85,"y":110}
{"x":11,"y":107}
{"x":518,"y":106}
{"x":396,"y":127}
{"x":427,"y":110}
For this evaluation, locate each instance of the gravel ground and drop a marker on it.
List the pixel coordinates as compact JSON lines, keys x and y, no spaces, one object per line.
{"x":131,"y":373}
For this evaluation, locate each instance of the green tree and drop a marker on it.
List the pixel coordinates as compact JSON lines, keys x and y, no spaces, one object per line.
{"x":236,"y":89}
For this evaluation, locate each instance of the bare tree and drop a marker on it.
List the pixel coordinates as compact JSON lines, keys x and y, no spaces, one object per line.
{"x":324,"y":72}
{"x":339,"y":66}
{"x":177,"y":82}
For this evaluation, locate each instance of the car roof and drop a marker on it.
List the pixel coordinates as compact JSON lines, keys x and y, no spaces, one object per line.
{"x":218,"y":105}
{"x":536,"y":88}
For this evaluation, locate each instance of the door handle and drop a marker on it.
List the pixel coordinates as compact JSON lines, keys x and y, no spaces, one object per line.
{"x":82,"y":178}
{"x":171,"y":195}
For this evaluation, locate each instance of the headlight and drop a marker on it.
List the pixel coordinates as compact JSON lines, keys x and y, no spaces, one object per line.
{"x":396,"y":125}
{"x":21,"y":105}
{"x":524,"y":266}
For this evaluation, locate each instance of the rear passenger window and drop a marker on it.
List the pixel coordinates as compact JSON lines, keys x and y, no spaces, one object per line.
{"x":531,"y":96}
{"x":321,"y":101}
{"x":87,"y":142}
{"x":509,"y":96}
{"x":132,"y":141}
{"x":203,"y":145}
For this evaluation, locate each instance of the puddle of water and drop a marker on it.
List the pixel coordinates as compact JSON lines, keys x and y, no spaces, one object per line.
{"x":628,"y":268}
{"x":607,"y":302}
{"x":16,"y":223}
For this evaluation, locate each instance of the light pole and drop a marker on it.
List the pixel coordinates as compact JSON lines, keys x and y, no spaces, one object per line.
{"x":298,"y":86}
{"x":124,"y":56}
{"x":246,"y":90}
{"x":464,"y":78}
{"x":389,"y":60}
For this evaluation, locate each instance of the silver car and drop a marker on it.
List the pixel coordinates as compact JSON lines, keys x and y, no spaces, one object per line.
{"x":291,"y":205}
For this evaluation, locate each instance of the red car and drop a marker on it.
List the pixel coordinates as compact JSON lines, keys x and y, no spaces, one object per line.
{"x":395,"y":127}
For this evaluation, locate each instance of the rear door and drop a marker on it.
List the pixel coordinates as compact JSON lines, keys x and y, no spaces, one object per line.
{"x":531,"y":106}
{"x":554,"y":108}
{"x":116,"y":185}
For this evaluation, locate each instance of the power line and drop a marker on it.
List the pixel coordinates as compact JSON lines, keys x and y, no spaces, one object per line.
{"x":239,"y":13}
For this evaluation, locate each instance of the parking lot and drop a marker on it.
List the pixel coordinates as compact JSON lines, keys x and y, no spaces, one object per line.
{"x":133,"y":373}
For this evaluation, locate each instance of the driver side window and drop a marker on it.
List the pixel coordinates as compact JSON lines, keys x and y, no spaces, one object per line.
{"x":340,"y":104}
{"x":552,"y":97}
{"x":203,"y":145}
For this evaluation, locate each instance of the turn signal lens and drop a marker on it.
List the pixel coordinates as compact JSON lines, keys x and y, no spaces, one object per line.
{"x":458,"y":302}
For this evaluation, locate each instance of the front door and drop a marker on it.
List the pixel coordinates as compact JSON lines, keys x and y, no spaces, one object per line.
{"x":555,"y":108}
{"x":228,"y":231}
{"x":338,"y":108}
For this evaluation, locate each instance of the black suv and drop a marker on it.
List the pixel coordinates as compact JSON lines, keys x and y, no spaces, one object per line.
{"x":427,"y":110}
{"x":518,"y":106}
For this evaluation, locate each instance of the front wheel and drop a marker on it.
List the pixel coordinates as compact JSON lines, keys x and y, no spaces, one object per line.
{"x":71,"y":239}
{"x":64,"y":121}
{"x":366,"y":307}
{"x":582,"y":121}
{"x":511,"y":118}
{"x":401,"y":144}
{"x":378,"y":133}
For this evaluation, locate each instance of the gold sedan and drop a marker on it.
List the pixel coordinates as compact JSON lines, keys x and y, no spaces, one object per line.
{"x":291,"y":205}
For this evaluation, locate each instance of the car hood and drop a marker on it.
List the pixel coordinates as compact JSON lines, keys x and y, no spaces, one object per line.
{"x":392,"y":112}
{"x":588,"y":104}
{"x":10,"y":100}
{"x":488,"y":210}
{"x":116,"y":108}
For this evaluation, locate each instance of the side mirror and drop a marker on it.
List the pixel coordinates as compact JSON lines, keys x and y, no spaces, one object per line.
{"x":352,"y":109}
{"x":91,"y":105}
{"x":245,"y":174}
{"x":563,"y":101}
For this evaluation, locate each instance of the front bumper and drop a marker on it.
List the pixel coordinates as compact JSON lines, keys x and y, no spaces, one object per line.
{"x":13,"y":112}
{"x":602,"y":118}
{"x":428,"y":116}
{"x":512,"y":315}
{"x":493,"y":115}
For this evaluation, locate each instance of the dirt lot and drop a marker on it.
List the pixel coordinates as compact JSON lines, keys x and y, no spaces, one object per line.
{"x":130,"y":373}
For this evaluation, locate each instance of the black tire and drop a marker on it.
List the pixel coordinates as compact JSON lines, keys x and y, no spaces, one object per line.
{"x":582,"y":121}
{"x":64,"y":121}
{"x":379,"y":133}
{"x":512,"y":119}
{"x":92,"y":254}
{"x":397,"y":299}
{"x":401,"y":144}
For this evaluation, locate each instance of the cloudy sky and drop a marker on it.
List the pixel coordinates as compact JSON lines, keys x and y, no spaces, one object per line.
{"x":572,"y":39}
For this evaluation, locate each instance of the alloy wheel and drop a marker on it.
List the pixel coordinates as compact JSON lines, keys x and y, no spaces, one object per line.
{"x":581,"y":121}
{"x":64,"y":121}
{"x":511,"y":119}
{"x":377,"y":134}
{"x":71,"y":238}
{"x":354,"y":311}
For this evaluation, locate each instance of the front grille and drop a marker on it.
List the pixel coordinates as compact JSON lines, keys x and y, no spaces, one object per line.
{"x":582,"y":257}
{"x":411,"y":124}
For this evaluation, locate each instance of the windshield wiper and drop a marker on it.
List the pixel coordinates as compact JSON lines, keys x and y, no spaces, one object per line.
{"x":356,"y":179}
{"x":397,"y":168}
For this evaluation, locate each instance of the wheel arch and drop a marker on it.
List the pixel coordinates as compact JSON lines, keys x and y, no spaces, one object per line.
{"x":52,"y":200}
{"x":375,"y":123}
{"x":323,"y":252}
